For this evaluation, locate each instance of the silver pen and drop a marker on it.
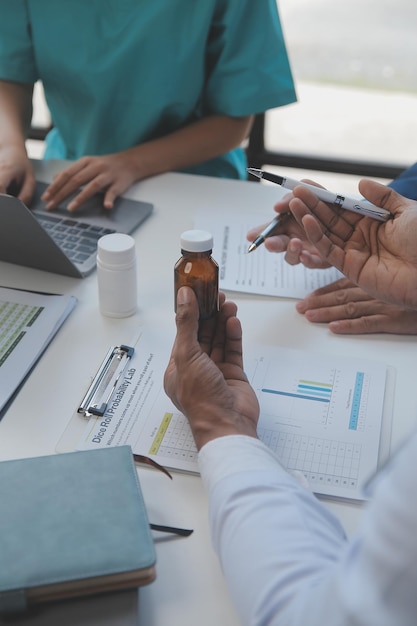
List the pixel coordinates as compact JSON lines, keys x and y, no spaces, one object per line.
{"x":363,"y":207}
{"x":279,"y":219}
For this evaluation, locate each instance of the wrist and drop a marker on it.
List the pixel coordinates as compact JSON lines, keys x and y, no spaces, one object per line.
{"x":147,"y":160}
{"x":208,"y":423}
{"x":12,"y":145}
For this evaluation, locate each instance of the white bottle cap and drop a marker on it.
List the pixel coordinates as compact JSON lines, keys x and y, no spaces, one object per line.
{"x":116,"y":250}
{"x":196,"y":241}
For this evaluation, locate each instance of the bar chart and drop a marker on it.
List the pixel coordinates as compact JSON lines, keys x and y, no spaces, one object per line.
{"x":322,"y":416}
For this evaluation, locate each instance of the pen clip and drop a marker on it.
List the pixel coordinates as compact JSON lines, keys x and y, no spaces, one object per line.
{"x":376,"y":213}
{"x":96,"y":399}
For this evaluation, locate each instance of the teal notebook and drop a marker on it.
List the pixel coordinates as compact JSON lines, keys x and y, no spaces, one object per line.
{"x":70,"y":525}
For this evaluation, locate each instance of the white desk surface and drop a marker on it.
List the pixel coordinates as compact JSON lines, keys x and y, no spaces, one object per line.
{"x":189,"y":589}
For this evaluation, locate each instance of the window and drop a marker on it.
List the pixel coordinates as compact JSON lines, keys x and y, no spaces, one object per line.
{"x":355,"y":67}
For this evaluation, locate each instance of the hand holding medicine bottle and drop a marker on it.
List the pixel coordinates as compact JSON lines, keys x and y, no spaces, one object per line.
{"x":197,"y":269}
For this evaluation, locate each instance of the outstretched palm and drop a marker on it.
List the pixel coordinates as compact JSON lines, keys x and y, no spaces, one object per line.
{"x":379,"y":257}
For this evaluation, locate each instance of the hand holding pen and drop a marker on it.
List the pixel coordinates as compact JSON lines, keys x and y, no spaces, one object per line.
{"x":351,"y":204}
{"x":268,"y":230}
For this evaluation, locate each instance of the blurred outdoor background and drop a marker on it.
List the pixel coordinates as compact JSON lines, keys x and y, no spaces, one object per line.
{"x":355,"y":68}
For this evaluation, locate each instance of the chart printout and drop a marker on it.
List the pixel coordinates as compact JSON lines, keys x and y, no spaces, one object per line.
{"x":322,"y":415}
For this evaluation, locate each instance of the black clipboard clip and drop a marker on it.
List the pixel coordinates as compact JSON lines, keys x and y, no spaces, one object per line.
{"x":96,"y":399}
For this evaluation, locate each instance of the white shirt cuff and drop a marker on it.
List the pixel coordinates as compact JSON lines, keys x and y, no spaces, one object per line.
{"x":233,"y":454}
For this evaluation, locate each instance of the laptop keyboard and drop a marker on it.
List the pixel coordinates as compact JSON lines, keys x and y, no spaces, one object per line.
{"x":77,"y":239}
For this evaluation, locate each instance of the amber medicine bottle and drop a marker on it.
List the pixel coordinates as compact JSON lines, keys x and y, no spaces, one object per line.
{"x":197,"y":269}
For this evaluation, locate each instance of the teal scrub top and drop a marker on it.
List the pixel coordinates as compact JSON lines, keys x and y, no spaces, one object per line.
{"x":117,"y":73}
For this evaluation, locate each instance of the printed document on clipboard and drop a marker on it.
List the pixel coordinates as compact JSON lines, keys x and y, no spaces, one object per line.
{"x":323,"y":415}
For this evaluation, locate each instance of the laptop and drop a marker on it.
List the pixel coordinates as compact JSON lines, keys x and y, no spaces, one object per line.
{"x":58,"y":241}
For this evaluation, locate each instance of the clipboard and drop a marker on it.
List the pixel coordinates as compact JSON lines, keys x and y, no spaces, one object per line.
{"x":96,"y":400}
{"x":97,"y":397}
{"x":126,"y":368}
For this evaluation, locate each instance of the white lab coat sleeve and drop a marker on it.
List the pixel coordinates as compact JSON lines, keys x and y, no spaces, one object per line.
{"x":286,"y":558}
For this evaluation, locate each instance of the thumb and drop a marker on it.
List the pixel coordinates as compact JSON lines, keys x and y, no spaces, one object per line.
{"x":382,"y":196}
{"x":186,"y":318}
{"x":27,"y":190}
{"x":110,"y":196}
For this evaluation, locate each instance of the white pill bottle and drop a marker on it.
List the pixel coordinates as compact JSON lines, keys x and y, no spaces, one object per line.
{"x":117,"y":275}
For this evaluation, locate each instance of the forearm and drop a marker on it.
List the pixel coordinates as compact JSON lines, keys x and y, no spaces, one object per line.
{"x":190,"y":145}
{"x":15,"y":112}
{"x":285,"y":557}
{"x":271,"y":534}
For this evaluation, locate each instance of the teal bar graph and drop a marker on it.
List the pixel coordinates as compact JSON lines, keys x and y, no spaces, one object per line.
{"x":356,"y":401}
{"x":306,"y":390}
